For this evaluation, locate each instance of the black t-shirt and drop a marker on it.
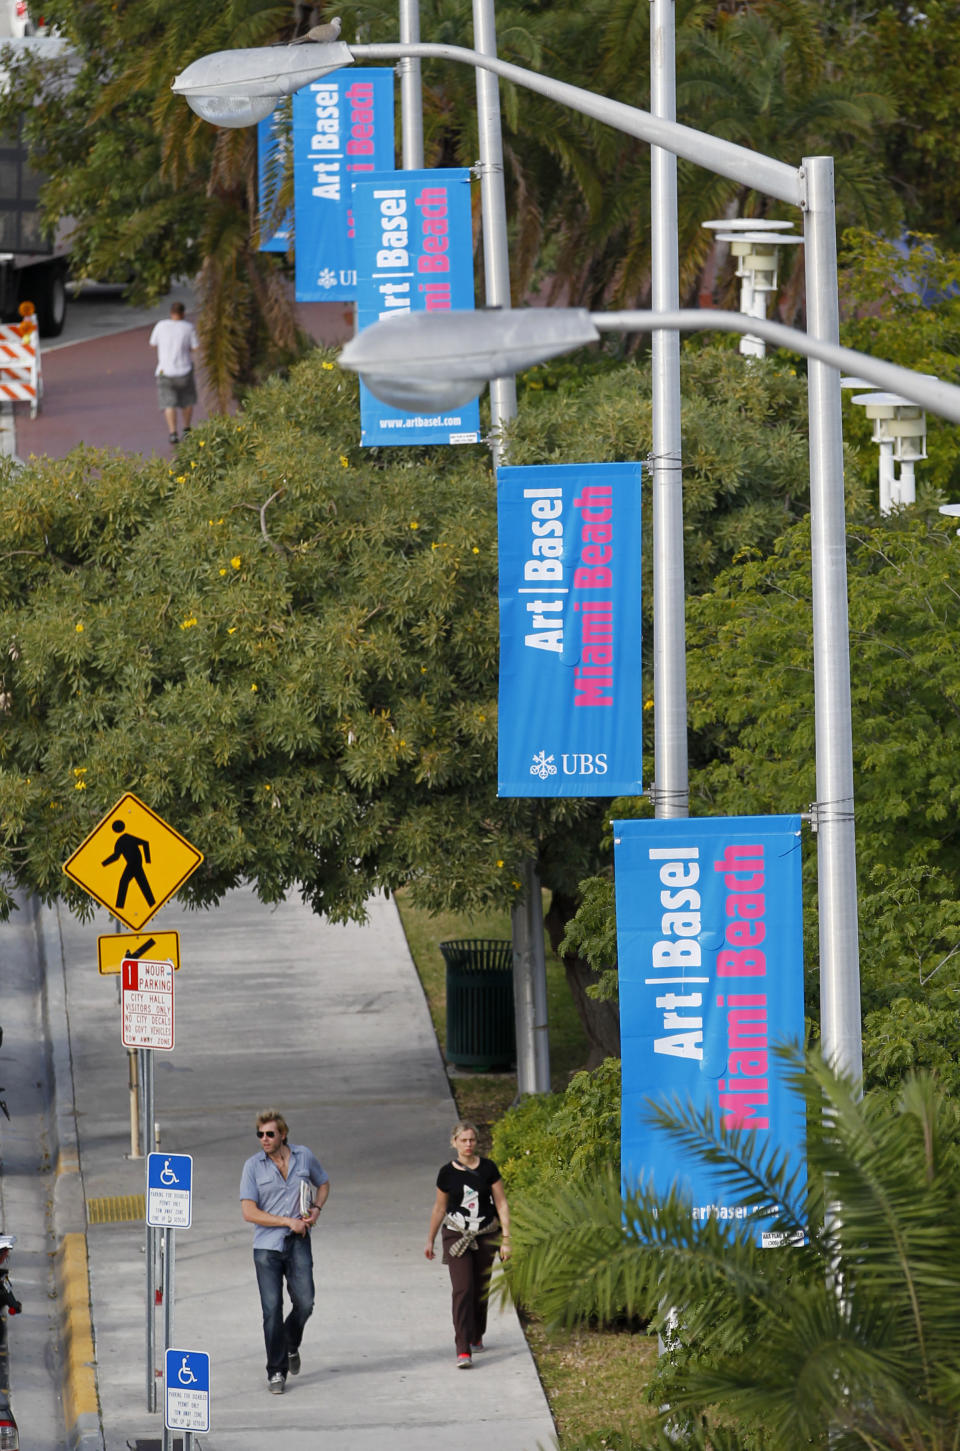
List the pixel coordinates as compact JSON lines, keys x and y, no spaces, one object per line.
{"x":469,"y":1193}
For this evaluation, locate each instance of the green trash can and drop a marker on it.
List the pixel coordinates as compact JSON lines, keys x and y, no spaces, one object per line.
{"x":480,"y":1023}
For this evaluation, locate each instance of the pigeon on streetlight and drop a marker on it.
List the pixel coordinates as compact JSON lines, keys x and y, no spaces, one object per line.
{"x":321,"y":34}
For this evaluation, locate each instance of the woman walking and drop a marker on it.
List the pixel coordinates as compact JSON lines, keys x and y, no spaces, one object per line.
{"x":471,"y":1210}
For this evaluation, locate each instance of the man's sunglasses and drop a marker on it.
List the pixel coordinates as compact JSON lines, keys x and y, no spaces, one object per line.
{"x":266,"y":1133}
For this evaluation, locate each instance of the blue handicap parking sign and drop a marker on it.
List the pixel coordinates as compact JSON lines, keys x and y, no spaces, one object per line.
{"x":187,"y":1387}
{"x":169,"y":1190}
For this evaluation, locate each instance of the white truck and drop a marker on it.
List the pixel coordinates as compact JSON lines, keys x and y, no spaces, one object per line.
{"x":33,"y":264}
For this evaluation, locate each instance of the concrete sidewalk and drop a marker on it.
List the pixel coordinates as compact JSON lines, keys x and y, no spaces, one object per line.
{"x":275,"y":1007}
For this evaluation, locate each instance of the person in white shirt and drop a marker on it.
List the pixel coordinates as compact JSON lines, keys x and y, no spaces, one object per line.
{"x":176,"y":341}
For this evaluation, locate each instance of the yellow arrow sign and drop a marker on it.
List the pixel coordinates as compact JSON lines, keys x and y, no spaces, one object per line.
{"x":132,"y":862}
{"x":112,"y":949}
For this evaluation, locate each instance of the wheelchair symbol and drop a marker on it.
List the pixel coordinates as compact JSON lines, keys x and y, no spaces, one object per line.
{"x":167,"y":1176}
{"x":185,"y":1374}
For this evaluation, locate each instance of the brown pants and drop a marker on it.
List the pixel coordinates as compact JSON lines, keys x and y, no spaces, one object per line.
{"x":470,"y":1282}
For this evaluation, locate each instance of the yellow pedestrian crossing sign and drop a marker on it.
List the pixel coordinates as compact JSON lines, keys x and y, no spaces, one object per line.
{"x":132,"y":862}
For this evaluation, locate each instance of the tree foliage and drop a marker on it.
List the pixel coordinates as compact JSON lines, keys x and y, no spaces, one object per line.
{"x":150,"y":191}
{"x":286,"y":649}
{"x":917,"y":49}
{"x":846,"y":1340}
{"x":546,"y":1139}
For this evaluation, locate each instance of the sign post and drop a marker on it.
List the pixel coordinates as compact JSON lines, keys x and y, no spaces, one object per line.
{"x":169,"y":1207}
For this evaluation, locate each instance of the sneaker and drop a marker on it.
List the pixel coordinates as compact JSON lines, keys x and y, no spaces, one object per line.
{"x":275,"y":1384}
{"x":186,"y":430}
{"x":293,"y":1362}
{"x":477,"y":1345}
{"x":174,"y":438}
{"x":464,"y":1361}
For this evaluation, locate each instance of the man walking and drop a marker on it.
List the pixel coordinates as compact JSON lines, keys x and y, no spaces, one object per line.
{"x":176,"y":341}
{"x":282,"y":1191}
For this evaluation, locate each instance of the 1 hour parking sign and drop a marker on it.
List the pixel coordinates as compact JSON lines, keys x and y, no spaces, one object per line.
{"x":146,"y":995}
{"x":187,"y":1385}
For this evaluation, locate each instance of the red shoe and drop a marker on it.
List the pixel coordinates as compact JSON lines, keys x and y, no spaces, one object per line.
{"x":464,"y":1361}
{"x":477,"y":1345}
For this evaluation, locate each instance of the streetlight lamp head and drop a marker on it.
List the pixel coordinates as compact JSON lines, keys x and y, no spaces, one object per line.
{"x":438,"y":360}
{"x":232,"y":112}
{"x":241,"y":87}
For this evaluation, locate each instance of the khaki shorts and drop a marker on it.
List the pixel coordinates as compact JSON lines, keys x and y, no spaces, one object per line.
{"x":180,"y":392}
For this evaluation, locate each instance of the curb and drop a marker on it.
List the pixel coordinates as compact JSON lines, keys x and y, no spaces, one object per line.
{"x":80,"y":1395}
{"x":81,"y":1407}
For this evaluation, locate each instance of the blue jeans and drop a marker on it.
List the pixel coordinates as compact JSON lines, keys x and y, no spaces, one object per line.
{"x":293,"y":1263}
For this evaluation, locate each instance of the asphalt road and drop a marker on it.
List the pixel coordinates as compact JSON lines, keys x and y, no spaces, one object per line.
{"x":98,"y":377}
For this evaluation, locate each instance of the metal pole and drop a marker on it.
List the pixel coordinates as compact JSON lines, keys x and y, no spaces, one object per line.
{"x":169,"y":1276}
{"x":169,"y":1255}
{"x":146,"y":1099}
{"x":145,"y":1060}
{"x":530,"y":988}
{"x":529,"y":959}
{"x":836,"y":845}
{"x":670,"y":792}
{"x":134,"y":1080}
{"x":151,"y":1352}
{"x":496,"y":256}
{"x":726,"y":158}
{"x":411,"y":91}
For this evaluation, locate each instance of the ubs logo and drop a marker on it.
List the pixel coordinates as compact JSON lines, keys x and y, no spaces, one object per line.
{"x":575,"y":763}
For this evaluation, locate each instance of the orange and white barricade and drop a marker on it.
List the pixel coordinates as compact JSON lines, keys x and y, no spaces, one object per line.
{"x":20,"y":377}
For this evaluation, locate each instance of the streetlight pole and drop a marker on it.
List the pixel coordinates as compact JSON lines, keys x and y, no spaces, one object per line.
{"x":411,"y":90}
{"x":670,"y":791}
{"x":840,"y":1021}
{"x":493,"y":202}
{"x":526,"y":917}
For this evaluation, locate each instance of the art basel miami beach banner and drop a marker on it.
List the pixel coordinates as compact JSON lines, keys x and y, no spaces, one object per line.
{"x":710,"y":955}
{"x":413,"y":245}
{"x":571,"y":695}
{"x":342,"y":128}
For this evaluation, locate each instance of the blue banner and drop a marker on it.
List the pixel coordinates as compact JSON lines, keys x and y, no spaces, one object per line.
{"x":273,"y":145}
{"x":342,"y":128}
{"x":571,"y":694}
{"x":414,"y":251}
{"x":710,"y":950}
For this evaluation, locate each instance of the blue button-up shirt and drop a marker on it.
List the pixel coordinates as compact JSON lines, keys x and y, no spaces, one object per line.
{"x":262,"y":1182}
